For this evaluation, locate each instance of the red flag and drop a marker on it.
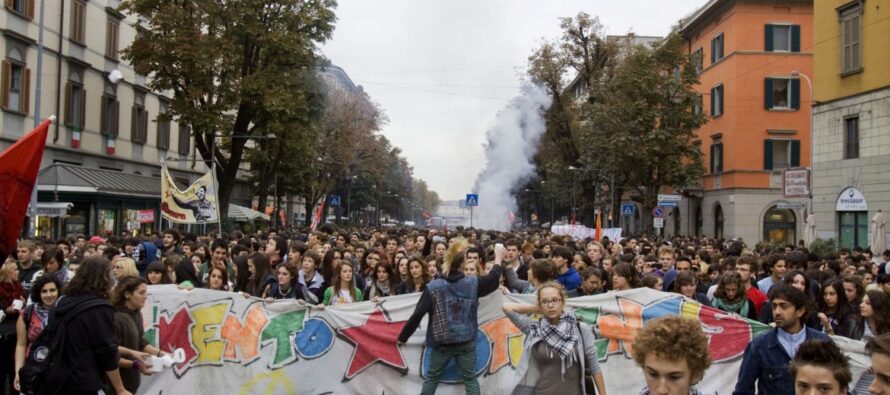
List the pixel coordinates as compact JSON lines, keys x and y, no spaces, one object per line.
{"x":19,"y":166}
{"x":599,"y":226}
{"x":318,"y":213}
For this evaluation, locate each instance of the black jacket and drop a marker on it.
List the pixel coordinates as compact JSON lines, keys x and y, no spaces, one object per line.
{"x":487,"y":284}
{"x":89,"y":349}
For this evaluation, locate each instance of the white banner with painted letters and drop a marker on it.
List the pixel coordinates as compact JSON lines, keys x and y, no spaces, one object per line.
{"x":237,"y":345}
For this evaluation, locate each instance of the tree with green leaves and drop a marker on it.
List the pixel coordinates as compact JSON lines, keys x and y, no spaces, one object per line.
{"x":236,"y":69}
{"x":573,"y":70}
{"x":645,"y":126}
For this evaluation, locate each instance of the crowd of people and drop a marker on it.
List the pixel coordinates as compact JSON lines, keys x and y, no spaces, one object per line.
{"x":804,"y":297}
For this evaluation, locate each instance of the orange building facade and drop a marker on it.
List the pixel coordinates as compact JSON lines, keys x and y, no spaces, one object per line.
{"x":755,"y":59}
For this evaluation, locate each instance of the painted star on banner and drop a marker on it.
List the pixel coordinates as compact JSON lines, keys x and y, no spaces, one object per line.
{"x":374,"y":341}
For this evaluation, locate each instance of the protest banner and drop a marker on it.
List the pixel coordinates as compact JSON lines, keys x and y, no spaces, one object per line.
{"x":238,"y":345}
{"x":195,"y":205}
{"x":583,"y":232}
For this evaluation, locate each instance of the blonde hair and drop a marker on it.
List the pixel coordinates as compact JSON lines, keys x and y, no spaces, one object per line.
{"x":457,"y":247}
{"x":555,"y":285}
{"x":129,"y":266}
{"x":6,"y":272}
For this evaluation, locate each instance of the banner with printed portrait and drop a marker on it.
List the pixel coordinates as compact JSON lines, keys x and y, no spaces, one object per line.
{"x":197,"y":204}
{"x":238,"y":345}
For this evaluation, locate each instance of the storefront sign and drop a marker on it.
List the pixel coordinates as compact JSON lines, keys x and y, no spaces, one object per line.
{"x":146,"y":216}
{"x":796,"y":183}
{"x":851,"y":199}
{"x":789,"y":205}
{"x":53,"y":209}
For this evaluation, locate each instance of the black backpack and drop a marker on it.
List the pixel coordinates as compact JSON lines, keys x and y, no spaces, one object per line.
{"x":43,"y":372}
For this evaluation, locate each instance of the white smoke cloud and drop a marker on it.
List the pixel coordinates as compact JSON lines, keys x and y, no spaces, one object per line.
{"x":512,"y":144}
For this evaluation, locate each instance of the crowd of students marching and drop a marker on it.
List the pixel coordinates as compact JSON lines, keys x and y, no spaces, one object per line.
{"x":841,"y":294}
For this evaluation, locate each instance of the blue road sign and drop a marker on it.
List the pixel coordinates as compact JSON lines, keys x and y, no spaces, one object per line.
{"x":628,"y":209}
{"x":334,"y":201}
{"x":472,"y":200}
{"x":658,"y":212}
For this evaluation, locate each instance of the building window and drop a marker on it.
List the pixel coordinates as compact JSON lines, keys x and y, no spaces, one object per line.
{"x":16,"y":81}
{"x":716,"y":158}
{"x":164,"y":126}
{"x":779,"y":226}
{"x":853,"y":230}
{"x":781,"y":154}
{"x":698,"y":60}
{"x":109,"y":113}
{"x":697,"y":107}
{"x":718,"y":221}
{"x":851,"y":138}
{"x":717,"y":48}
{"x":185,"y":139}
{"x":75,"y":102}
{"x":78,"y":21}
{"x":782,"y":94}
{"x":717,"y":101}
{"x":851,"y":34}
{"x":23,"y":8}
{"x":112,"y":31}
{"x":782,"y":38}
{"x":139,"y":119}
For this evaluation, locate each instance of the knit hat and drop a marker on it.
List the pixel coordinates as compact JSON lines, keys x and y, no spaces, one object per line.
{"x":96,"y":240}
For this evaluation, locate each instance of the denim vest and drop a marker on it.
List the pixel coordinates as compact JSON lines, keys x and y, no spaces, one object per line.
{"x":453,"y":317}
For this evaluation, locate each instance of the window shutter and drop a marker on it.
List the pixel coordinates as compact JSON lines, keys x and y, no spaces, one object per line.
{"x":713,"y":100}
{"x":117,"y":118}
{"x":767,"y":154}
{"x":713,"y":50}
{"x":768,"y":93}
{"x":795,"y":93}
{"x":5,"y":75}
{"x":25,"y":97}
{"x":30,"y":10}
{"x":10,"y":4}
{"x":795,"y":153}
{"x":68,"y":104}
{"x":81,"y":124}
{"x":720,"y":158}
{"x":103,"y":116}
{"x":713,"y":149}
{"x":768,"y":38}
{"x":134,"y":129}
{"x":795,"y":38}
{"x":145,"y":127}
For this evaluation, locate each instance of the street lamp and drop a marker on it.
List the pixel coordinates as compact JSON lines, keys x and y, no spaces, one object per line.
{"x":796,"y":73}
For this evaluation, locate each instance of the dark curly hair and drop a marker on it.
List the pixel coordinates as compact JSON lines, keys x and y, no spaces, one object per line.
{"x":93,"y":278}
{"x":127,"y":284}
{"x":824,"y":354}
{"x":674,"y":337}
{"x":40,"y":282}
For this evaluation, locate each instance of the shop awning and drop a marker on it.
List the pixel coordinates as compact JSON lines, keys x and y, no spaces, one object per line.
{"x":243,"y":214}
{"x":53,"y":209}
{"x":61,"y":177}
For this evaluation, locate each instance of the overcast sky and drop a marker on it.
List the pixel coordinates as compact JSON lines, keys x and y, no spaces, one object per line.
{"x":442,"y":69}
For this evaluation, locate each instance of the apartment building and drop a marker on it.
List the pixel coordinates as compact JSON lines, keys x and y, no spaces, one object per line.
{"x":754,"y":59}
{"x":851,"y":119}
{"x":101,"y":170}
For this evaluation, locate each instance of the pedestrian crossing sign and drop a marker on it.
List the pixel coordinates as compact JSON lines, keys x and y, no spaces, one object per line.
{"x":472,"y":200}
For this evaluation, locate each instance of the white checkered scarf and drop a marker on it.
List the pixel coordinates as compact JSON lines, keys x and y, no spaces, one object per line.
{"x":561,"y":337}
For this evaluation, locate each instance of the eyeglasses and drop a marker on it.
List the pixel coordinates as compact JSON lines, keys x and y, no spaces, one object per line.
{"x":551,"y":302}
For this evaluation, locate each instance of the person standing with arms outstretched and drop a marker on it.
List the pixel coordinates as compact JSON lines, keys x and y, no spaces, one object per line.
{"x":452,"y":303}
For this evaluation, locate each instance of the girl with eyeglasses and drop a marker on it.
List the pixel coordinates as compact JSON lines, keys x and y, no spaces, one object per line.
{"x":559,"y":349}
